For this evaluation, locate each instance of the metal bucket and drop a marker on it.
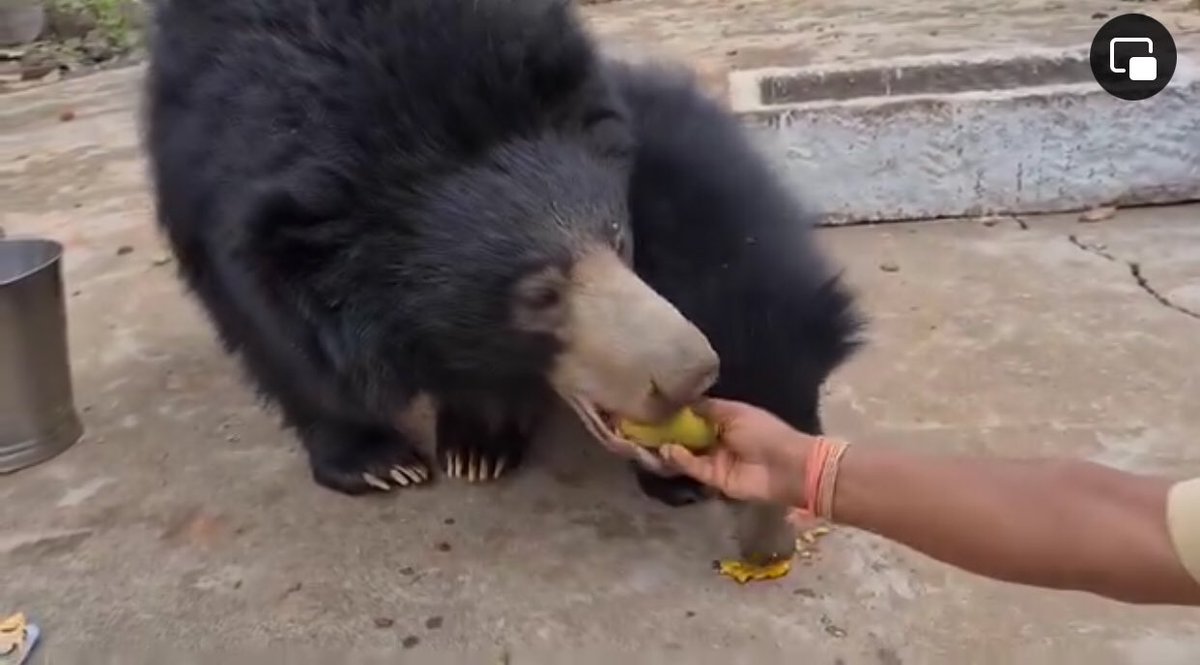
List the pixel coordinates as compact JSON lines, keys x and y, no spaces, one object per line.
{"x":37,"y":405}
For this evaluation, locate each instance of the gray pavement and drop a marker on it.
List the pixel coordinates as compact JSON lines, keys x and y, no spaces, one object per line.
{"x":185,"y":518}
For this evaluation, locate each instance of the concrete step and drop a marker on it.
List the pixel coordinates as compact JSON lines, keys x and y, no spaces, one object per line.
{"x":982,"y":133}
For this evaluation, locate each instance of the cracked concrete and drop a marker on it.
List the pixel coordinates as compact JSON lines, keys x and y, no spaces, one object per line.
{"x":185,"y":521}
{"x":1135,"y":271}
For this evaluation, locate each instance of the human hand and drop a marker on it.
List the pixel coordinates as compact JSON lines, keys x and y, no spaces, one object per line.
{"x":758,"y":458}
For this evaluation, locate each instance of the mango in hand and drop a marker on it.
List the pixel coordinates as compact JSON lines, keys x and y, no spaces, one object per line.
{"x":685,"y":428}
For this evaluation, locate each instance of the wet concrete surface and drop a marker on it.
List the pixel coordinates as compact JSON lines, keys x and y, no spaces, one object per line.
{"x":185,"y":519}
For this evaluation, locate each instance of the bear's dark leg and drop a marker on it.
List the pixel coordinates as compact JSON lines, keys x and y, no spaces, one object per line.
{"x":481,"y":441}
{"x":674,"y":491}
{"x":350,"y":450}
{"x":358,"y":458}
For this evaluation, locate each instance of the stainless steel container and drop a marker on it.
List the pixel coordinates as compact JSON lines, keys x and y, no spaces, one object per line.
{"x":37,"y":405}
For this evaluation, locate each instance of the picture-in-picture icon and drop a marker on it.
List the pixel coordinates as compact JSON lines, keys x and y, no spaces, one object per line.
{"x":1141,"y":67}
{"x":1132,"y":56}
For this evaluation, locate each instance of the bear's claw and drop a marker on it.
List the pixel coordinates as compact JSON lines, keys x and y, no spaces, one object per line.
{"x":397,"y":476}
{"x":470,"y":449}
{"x":374,"y":481}
{"x":474,"y":466}
{"x":409,"y":475}
{"x":363,"y":460}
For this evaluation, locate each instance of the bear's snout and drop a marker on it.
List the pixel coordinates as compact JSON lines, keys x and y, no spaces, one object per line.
{"x":628,"y":352}
{"x":691,"y":375}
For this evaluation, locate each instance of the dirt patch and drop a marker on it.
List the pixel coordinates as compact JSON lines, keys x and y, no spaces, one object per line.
{"x":80,"y":36}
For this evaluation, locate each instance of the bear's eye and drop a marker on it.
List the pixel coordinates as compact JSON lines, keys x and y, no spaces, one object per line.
{"x":597,"y":116}
{"x":543,"y":297}
{"x":541,"y":301}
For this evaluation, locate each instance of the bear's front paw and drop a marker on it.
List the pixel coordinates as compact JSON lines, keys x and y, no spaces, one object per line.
{"x":473,"y":464}
{"x":361,"y":465}
{"x":469,"y":449}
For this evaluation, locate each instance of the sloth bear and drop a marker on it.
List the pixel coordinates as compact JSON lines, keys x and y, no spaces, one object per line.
{"x":375,"y":200}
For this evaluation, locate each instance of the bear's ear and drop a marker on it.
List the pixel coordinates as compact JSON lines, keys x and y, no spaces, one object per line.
{"x":558,"y":57}
{"x":608,"y":127}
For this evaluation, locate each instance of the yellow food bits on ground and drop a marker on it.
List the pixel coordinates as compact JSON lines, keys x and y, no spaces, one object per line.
{"x":743,"y":572}
{"x":685,"y":428}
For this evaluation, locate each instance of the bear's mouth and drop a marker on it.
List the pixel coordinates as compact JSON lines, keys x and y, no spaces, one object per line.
{"x":599,"y":422}
{"x":602,"y":425}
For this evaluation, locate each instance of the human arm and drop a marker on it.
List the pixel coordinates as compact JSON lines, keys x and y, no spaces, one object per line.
{"x":1051,"y":523}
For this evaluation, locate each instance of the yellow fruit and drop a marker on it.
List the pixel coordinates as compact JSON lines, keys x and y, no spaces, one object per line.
{"x":744,"y":571}
{"x":685,"y":428}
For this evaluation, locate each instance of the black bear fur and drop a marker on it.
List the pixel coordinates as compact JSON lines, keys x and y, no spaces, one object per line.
{"x":296,"y":146}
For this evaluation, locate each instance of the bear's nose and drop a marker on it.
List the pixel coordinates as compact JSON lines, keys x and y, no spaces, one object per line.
{"x":689,"y":384}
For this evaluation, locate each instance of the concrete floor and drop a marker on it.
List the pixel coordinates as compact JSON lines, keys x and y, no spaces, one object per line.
{"x":719,"y":36}
{"x":185,"y":519}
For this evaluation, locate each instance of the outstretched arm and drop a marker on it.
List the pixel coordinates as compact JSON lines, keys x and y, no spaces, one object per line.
{"x":1049,"y":523}
{"x":1056,"y":524}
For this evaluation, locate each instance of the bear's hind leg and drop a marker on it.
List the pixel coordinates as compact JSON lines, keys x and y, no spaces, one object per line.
{"x":481,"y":441}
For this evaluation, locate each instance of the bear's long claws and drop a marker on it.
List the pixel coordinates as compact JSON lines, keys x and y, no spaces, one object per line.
{"x":374,"y":481}
{"x":399,"y":476}
{"x":407,"y":475}
{"x":474,"y":466}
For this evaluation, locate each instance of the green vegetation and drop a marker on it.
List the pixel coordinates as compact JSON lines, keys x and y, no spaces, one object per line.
{"x":117,"y":22}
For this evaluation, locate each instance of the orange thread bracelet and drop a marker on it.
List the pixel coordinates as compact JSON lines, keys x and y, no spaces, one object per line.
{"x":824,"y":508}
{"x":820,"y":477}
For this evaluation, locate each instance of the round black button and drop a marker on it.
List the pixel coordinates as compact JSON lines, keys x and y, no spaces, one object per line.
{"x":1133,"y":57}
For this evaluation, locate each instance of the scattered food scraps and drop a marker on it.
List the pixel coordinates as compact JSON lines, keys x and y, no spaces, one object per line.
{"x":743,"y":572}
{"x":18,"y":637}
{"x":810,"y":536}
{"x":806,"y":542}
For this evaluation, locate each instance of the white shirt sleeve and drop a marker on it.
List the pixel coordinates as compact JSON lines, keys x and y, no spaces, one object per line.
{"x":1183,"y":521}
